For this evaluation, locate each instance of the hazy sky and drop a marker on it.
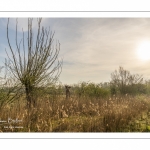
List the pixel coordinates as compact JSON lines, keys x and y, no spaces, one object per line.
{"x":92,"y":48}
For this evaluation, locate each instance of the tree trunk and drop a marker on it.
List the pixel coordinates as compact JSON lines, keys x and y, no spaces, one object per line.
{"x":30,"y":97}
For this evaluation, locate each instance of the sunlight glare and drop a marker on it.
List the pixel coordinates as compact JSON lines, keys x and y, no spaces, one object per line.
{"x":144,"y":50}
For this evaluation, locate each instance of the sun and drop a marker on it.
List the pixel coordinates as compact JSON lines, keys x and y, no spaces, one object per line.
{"x":144,"y":50}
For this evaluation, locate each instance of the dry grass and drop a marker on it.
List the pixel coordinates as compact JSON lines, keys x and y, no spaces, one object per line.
{"x":74,"y":115}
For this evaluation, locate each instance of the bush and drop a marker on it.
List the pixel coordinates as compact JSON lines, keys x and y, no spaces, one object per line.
{"x":91,"y":90}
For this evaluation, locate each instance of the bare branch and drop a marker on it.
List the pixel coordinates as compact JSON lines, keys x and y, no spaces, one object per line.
{"x":41,"y":65}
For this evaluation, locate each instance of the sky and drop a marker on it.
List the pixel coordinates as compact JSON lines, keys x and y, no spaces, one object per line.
{"x":92,"y":48}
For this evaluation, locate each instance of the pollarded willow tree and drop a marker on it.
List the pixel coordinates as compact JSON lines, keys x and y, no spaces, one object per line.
{"x":34,"y":63}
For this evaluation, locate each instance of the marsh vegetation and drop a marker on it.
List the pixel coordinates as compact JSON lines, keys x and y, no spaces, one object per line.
{"x":90,"y":108}
{"x":32,"y":99}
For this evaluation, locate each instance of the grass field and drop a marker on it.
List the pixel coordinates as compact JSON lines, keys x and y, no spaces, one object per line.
{"x":78,"y":114}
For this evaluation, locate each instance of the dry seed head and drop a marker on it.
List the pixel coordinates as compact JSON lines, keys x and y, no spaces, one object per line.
{"x":64,"y":114}
{"x":50,"y":108}
{"x":83,"y":105}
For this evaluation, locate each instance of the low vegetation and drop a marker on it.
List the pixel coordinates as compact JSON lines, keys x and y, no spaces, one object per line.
{"x":88,"y":112}
{"x":32,"y":100}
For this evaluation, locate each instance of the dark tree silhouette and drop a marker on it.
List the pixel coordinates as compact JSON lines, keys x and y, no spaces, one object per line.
{"x":67,"y":91}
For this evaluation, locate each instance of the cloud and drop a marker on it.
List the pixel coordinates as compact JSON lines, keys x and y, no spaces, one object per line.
{"x":107,"y":44}
{"x":92,"y":48}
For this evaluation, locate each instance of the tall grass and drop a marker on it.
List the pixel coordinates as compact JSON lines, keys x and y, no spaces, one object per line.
{"x":77,"y":114}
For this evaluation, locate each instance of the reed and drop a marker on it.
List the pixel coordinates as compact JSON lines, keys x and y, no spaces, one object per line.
{"x":113,"y":114}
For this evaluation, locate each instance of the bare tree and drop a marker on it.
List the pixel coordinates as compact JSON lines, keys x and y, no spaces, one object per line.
{"x":34,"y":63}
{"x":8,"y":87}
{"x":123,"y":81}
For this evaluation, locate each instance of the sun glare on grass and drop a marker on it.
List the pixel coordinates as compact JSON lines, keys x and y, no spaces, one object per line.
{"x":144,"y":50}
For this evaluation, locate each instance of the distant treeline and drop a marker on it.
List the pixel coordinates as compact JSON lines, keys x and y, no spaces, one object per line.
{"x":122,"y":83}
